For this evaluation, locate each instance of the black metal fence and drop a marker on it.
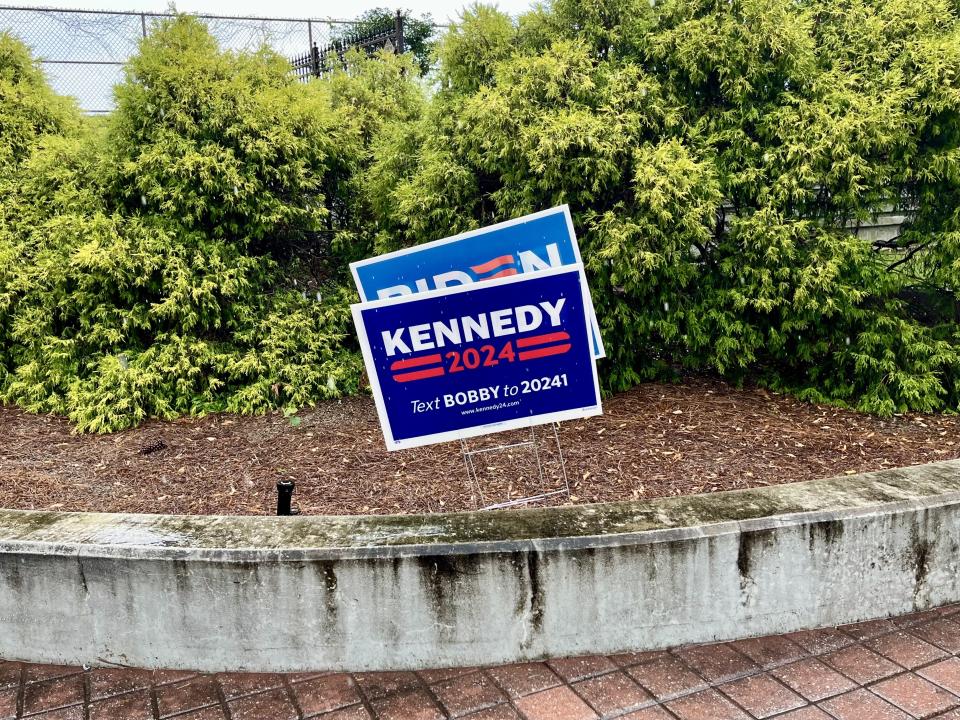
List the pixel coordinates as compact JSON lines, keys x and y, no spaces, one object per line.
{"x":323,"y":59}
{"x":83,"y":51}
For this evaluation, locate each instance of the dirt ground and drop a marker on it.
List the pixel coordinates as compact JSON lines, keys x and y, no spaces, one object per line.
{"x":655,"y":440}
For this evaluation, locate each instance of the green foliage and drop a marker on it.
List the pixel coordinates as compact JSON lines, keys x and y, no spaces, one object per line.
{"x":471,"y":49}
{"x":188,"y":254}
{"x":228,"y":144}
{"x":718,"y":158}
{"x":29,"y":110}
{"x":143,"y":274}
{"x":380,"y":98}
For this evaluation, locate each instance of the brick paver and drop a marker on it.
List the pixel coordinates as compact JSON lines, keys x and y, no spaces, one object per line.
{"x":354,"y":712}
{"x":74,"y":712}
{"x":325,"y":694}
{"x":236,"y":685}
{"x":381,"y":684}
{"x":612,"y":693}
{"x":274,"y":704}
{"x":861,"y":664}
{"x":770,"y":651}
{"x":820,"y":641}
{"x":942,"y":632}
{"x":906,"y":650}
{"x":132,"y":706}
{"x":8,"y":704}
{"x":186,"y":695}
{"x":407,"y":705}
{"x":946,"y":674}
{"x":807,"y":713}
{"x":762,"y":696}
{"x":667,"y":677}
{"x":706,"y":704}
{"x":110,"y":682}
{"x":861,"y":704}
{"x":915,"y":695}
{"x":717,"y":663}
{"x":558,"y":702}
{"x":53,"y":694}
{"x":579,"y":668}
{"x":499,"y":712}
{"x":524,"y":678}
{"x":898,"y":669}
{"x":813,"y":680}
{"x":467,"y":694}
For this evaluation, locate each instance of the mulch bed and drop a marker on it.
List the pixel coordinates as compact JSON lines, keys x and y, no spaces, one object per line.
{"x":655,"y":440}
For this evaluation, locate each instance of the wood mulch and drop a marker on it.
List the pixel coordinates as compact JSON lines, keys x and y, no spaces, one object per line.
{"x":655,"y":440}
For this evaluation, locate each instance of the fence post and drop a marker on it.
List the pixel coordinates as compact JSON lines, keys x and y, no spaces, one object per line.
{"x":315,"y":60}
{"x":398,"y":32}
{"x":309,"y":33}
{"x":143,"y":24}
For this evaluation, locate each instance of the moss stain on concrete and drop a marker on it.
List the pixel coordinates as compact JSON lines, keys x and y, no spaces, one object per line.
{"x":264,"y":534}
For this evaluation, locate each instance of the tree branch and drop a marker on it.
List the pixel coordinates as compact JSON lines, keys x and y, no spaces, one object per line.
{"x":909,"y":255}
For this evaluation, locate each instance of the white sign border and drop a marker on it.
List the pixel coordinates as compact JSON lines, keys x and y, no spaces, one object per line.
{"x":592,"y":321}
{"x":477,"y":430}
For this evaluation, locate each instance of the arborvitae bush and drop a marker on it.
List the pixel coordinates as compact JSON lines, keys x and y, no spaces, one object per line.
{"x":141,"y":275}
{"x":29,"y":109}
{"x":718,"y":158}
{"x":188,"y":253}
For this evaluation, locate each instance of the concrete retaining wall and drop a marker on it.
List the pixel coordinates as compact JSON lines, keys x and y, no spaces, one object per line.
{"x":365,"y":593}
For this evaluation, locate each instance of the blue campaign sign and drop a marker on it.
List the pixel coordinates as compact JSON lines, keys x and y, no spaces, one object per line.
{"x":526,"y":244}
{"x":481,"y":358}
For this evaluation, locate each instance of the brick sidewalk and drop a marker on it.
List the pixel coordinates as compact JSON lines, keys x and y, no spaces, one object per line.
{"x":884,"y":670}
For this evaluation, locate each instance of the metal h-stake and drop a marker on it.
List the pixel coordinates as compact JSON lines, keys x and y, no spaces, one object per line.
{"x":532,"y":442}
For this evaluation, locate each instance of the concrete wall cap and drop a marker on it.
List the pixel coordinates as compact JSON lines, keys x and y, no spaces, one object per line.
{"x":245,"y":538}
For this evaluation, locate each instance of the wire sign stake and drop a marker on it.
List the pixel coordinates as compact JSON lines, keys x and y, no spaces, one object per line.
{"x":528,"y":444}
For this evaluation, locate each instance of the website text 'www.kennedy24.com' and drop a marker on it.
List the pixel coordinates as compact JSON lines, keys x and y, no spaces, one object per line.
{"x":484,"y":408}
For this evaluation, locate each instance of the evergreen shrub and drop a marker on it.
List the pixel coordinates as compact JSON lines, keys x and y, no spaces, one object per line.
{"x":141,"y":275}
{"x":718,"y":158}
{"x":189,"y":252}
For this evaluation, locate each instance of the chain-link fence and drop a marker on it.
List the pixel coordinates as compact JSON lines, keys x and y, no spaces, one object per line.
{"x":83,"y":51}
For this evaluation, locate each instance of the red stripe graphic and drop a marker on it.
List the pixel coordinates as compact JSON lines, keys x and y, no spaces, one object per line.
{"x":492,"y":264}
{"x":416,"y":362}
{"x":542,"y":339}
{"x":419,"y":374}
{"x":544,"y":352}
{"x":503,"y":273}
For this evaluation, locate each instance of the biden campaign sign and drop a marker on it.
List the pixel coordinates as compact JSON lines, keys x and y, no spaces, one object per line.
{"x":527,"y":244}
{"x":481,"y":358}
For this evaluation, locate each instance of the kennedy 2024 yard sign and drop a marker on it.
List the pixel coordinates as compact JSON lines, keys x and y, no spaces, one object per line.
{"x":526,"y":244}
{"x":480,"y":358}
